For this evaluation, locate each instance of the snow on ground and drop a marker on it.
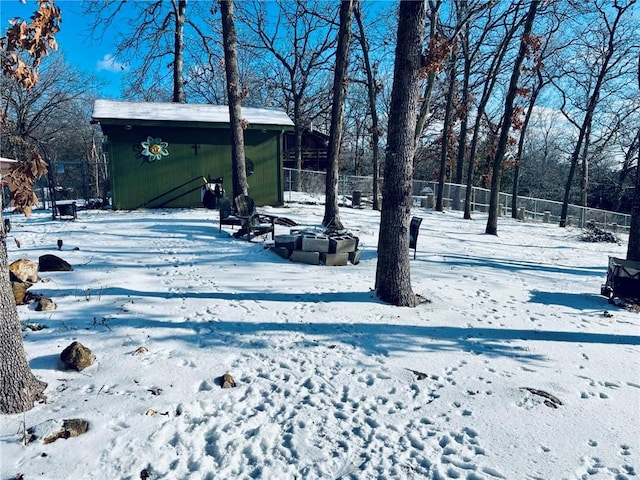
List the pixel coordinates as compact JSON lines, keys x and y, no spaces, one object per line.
{"x":332,"y":383}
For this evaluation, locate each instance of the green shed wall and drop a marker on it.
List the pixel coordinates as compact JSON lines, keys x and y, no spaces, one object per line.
{"x":176,"y":180}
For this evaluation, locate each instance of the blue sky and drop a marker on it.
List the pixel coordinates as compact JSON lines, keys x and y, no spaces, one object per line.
{"x":91,"y":56}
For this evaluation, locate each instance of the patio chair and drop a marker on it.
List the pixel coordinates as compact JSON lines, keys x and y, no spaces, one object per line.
{"x":252,"y":223}
{"x":227,"y":216}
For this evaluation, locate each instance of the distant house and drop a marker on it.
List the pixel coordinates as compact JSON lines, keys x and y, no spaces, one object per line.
{"x":159,"y":152}
{"x":5,"y":165}
{"x":315,"y":147}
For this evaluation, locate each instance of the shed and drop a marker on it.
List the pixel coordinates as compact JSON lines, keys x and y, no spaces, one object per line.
{"x":159,"y":152}
{"x":314,"y":150}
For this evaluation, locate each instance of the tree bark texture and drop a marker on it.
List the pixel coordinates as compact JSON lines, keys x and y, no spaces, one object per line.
{"x":331,"y":215}
{"x":425,"y":107}
{"x":492,"y":221}
{"x":489,"y":85}
{"x":393,"y":276}
{"x":372,"y":94}
{"x":446,"y":131}
{"x":633,"y":248}
{"x":20,"y":388}
{"x":230,"y":41}
{"x":523,"y":135}
{"x":178,"y":53}
{"x":464,"y":121}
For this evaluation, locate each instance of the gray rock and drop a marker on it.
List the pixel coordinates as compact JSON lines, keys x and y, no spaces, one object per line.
{"x":51,"y":430}
{"x":20,"y":293}
{"x":53,"y":263}
{"x":77,"y":356}
{"x":45,"y":304}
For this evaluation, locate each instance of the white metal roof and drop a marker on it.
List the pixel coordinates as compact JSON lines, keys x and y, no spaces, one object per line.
{"x":184,"y":112}
{"x":7,"y":160}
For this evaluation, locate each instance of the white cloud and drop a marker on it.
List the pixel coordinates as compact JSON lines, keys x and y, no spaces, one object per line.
{"x":109,"y":64}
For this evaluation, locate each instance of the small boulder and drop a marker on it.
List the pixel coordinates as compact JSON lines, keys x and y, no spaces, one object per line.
{"x":45,"y":304}
{"x":51,"y":430}
{"x":227,"y":381}
{"x":53,"y":263}
{"x":24,"y":270}
{"x":20,"y":293}
{"x":77,"y":356}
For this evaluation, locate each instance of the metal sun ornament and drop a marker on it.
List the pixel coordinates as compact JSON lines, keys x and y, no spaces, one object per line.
{"x":154,"y":148}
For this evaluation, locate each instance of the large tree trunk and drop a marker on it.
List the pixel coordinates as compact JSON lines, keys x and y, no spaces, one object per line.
{"x":492,"y":221}
{"x":297,"y":129}
{"x":20,"y":388}
{"x":393,"y":275}
{"x":331,"y":217}
{"x":230,"y":41}
{"x":633,"y":248}
{"x":178,"y":53}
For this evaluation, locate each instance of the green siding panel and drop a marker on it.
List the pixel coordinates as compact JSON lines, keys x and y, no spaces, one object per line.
{"x":176,"y":180}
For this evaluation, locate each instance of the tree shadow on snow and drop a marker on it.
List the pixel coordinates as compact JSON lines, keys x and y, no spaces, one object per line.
{"x":579,"y":301}
{"x":380,"y":338}
{"x":511,"y":265}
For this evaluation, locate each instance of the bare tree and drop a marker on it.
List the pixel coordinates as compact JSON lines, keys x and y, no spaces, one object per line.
{"x":24,"y":42}
{"x":464,"y":107}
{"x":437,"y":52}
{"x":41,"y":110}
{"x":507,"y":118}
{"x":234,"y":94}
{"x":612,"y":58}
{"x":491,"y":64}
{"x":178,"y":52}
{"x":533,"y":97}
{"x":447,"y":130}
{"x":393,"y":275}
{"x":542,"y":48}
{"x":152,"y":40}
{"x":372,"y":90}
{"x":331,"y":215}
{"x":301,"y":38}
{"x":633,"y":248}
{"x":51,"y":118}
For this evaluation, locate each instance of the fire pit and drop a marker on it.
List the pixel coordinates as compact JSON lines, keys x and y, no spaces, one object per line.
{"x":318,"y":247}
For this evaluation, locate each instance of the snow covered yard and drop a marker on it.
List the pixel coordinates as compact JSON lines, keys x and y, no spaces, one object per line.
{"x":511,"y":370}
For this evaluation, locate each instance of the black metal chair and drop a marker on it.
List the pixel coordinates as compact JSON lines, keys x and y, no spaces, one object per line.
{"x":414,"y":230}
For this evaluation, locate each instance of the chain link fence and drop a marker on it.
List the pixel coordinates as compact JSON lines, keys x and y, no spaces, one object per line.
{"x":86,"y":183}
{"x":425,"y":193}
